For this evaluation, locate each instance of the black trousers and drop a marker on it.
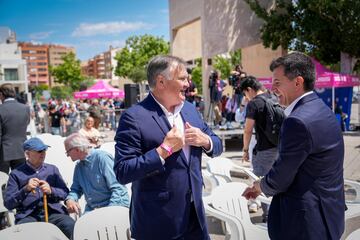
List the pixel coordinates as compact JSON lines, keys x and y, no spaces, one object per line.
{"x":6,"y":165}
{"x":194,"y":231}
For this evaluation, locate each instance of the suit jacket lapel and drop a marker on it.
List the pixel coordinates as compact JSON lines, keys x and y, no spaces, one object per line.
{"x":158,"y":115}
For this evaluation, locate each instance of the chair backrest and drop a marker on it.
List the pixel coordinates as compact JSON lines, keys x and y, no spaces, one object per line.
{"x":56,"y":155}
{"x":220,"y":167}
{"x":3,"y":181}
{"x":108,"y":147}
{"x":228,"y":198}
{"x":35,"y":230}
{"x":103,"y":223}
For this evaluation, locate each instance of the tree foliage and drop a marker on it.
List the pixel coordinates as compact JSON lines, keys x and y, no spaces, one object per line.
{"x":226,"y":64}
{"x":69,"y":72}
{"x":322,"y":29}
{"x":61,"y":92}
{"x":196,"y":75}
{"x":138,"y":50}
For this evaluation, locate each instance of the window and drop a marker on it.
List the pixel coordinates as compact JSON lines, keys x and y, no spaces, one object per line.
{"x":11,"y":74}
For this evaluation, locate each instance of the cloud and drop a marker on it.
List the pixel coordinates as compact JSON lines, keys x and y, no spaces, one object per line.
{"x":88,"y":29}
{"x":40,"y":35}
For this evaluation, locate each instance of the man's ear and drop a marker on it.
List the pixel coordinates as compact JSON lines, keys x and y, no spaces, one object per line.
{"x":299,"y":81}
{"x":160,"y":80}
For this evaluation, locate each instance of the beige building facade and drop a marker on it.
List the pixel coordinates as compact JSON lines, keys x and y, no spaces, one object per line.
{"x":206,"y":28}
{"x":56,"y":52}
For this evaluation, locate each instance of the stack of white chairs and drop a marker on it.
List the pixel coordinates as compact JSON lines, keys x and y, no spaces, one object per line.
{"x":231,"y":206}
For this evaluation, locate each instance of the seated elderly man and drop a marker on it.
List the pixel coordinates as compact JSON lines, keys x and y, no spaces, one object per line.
{"x":30,"y":181}
{"x":93,"y":176}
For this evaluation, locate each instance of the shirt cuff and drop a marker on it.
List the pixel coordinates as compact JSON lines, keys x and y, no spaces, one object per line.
{"x":211,"y":145}
{"x":162,"y":160}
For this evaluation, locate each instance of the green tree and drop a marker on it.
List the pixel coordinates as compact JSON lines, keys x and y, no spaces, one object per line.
{"x":138,"y":50}
{"x":196,"y":75}
{"x":61,"y":92}
{"x":323,"y":29}
{"x":39,"y":89}
{"x":69,"y":72}
{"x":226,"y":64}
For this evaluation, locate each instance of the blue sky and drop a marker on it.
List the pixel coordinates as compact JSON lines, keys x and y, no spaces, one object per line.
{"x":88,"y":25}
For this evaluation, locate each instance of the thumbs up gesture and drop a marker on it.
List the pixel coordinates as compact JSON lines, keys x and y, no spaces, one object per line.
{"x":195,"y":137}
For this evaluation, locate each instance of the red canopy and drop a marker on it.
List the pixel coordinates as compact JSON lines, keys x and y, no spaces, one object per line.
{"x":101,"y":89}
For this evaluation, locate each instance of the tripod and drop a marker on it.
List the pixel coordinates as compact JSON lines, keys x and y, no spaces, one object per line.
{"x":210,"y":115}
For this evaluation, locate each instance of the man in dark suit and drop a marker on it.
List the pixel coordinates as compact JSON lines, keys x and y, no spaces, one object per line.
{"x":159,"y":143}
{"x":14,"y":119}
{"x":306,"y":181}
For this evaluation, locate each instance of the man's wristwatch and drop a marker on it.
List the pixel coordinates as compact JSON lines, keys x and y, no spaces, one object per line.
{"x":246,"y":150}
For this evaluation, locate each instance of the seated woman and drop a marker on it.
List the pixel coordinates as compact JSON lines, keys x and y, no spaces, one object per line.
{"x":90,"y":132}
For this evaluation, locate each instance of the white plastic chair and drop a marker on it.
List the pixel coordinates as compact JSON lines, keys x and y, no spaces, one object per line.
{"x":221,"y":168}
{"x":108,"y":147}
{"x":3,"y":210}
{"x":354,"y":186}
{"x":103,"y":224}
{"x":228,"y":198}
{"x":34,"y":230}
{"x":235,"y":229}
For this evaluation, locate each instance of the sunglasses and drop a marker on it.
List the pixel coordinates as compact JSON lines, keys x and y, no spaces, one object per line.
{"x":41,"y":151}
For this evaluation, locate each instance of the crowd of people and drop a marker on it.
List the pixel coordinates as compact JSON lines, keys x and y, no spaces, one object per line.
{"x":159,"y":144}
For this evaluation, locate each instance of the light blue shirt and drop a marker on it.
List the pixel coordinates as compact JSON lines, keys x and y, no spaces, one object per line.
{"x":95,"y":178}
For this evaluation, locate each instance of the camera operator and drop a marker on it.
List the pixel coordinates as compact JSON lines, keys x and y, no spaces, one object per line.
{"x":234,"y":81}
{"x":216,"y":86}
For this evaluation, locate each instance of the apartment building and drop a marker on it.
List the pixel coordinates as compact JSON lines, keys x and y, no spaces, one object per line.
{"x":56,"y":52}
{"x":37,"y":60}
{"x":12,"y":67}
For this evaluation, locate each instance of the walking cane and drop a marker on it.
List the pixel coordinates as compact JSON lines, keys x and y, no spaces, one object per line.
{"x":45,"y":208}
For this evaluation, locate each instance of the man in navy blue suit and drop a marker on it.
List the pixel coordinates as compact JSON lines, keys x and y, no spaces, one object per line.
{"x":306,"y":181}
{"x":159,"y":143}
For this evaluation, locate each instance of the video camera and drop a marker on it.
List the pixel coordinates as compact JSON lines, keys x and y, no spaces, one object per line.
{"x":235,"y":79}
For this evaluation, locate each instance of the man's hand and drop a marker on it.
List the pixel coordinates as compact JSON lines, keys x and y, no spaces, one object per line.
{"x":195,"y":137}
{"x":32,"y":184}
{"x":73,"y":207}
{"x":252,"y":192}
{"x":173,"y":139}
{"x":246,"y":156}
{"x":45,"y":187}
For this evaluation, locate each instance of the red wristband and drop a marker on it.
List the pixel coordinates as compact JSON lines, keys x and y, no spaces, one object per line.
{"x":167,"y":148}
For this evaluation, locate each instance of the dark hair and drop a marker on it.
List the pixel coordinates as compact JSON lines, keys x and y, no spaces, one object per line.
{"x":250,"y":82}
{"x":8,"y":90}
{"x":297,"y":64}
{"x":189,"y":70}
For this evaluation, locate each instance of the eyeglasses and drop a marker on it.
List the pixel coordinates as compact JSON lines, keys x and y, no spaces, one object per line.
{"x":68,"y":151}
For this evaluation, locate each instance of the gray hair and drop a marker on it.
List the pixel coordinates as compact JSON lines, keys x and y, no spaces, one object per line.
{"x":162,"y":64}
{"x":79,"y":141}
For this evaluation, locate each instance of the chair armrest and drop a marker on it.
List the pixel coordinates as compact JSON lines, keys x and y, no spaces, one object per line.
{"x":356,"y":186}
